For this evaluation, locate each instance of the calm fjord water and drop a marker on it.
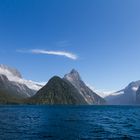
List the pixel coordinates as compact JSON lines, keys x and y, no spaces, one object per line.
{"x":69,"y":122}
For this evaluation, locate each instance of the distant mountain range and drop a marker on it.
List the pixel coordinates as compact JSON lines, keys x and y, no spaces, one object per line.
{"x":13,"y":87}
{"x":70,"y":89}
{"x":14,"y":75}
{"x":127,"y":96}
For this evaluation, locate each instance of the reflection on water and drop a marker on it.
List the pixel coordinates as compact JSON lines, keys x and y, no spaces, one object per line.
{"x":69,"y":122}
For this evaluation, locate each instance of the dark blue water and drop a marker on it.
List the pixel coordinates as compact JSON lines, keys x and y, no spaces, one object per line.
{"x":69,"y":122}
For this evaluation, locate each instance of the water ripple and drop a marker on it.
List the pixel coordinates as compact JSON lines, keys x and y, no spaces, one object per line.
{"x":69,"y":122}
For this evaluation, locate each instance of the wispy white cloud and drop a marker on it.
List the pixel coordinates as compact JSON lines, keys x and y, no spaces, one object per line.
{"x":58,"y":53}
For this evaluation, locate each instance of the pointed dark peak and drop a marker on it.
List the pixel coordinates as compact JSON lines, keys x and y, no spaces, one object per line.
{"x":134,"y":83}
{"x":73,"y":75}
{"x":74,"y":71}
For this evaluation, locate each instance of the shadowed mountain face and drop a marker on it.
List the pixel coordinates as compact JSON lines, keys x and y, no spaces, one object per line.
{"x":91,"y":97}
{"x":11,"y":91}
{"x":57,"y":91}
{"x":13,"y":87}
{"x":138,"y":96}
{"x":14,"y":75}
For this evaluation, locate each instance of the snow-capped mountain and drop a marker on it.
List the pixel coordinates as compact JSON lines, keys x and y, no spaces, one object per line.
{"x":101,"y":93}
{"x":11,"y":80}
{"x":126,"y":95}
{"x":91,"y":97}
{"x":12,"y":89}
{"x":14,"y":75}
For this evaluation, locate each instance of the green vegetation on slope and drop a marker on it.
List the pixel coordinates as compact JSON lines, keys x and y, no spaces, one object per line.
{"x":57,"y":91}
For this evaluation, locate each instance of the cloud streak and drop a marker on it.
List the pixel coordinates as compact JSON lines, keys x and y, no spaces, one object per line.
{"x":58,"y":53}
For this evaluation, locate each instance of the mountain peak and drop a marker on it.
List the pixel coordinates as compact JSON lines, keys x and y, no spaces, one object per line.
{"x":6,"y":70}
{"x":91,"y":97}
{"x":14,"y":75}
{"x":55,"y":78}
{"x":73,"y":76}
{"x":74,"y":71}
{"x":58,"y":91}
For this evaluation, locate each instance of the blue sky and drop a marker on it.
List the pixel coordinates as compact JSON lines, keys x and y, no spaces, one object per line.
{"x":99,"y":38}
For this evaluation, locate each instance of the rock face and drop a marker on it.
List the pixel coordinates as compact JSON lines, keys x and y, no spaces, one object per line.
{"x":11,"y":92}
{"x":138,"y":96}
{"x":14,"y":75}
{"x":13,"y":87}
{"x":68,"y":90}
{"x":91,"y":97}
{"x":126,"y":96}
{"x":57,"y":91}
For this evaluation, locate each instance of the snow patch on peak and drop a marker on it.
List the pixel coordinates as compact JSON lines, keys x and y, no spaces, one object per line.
{"x":4,"y":69}
{"x":132,"y":87}
{"x":15,"y":76}
{"x":135,"y":88}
